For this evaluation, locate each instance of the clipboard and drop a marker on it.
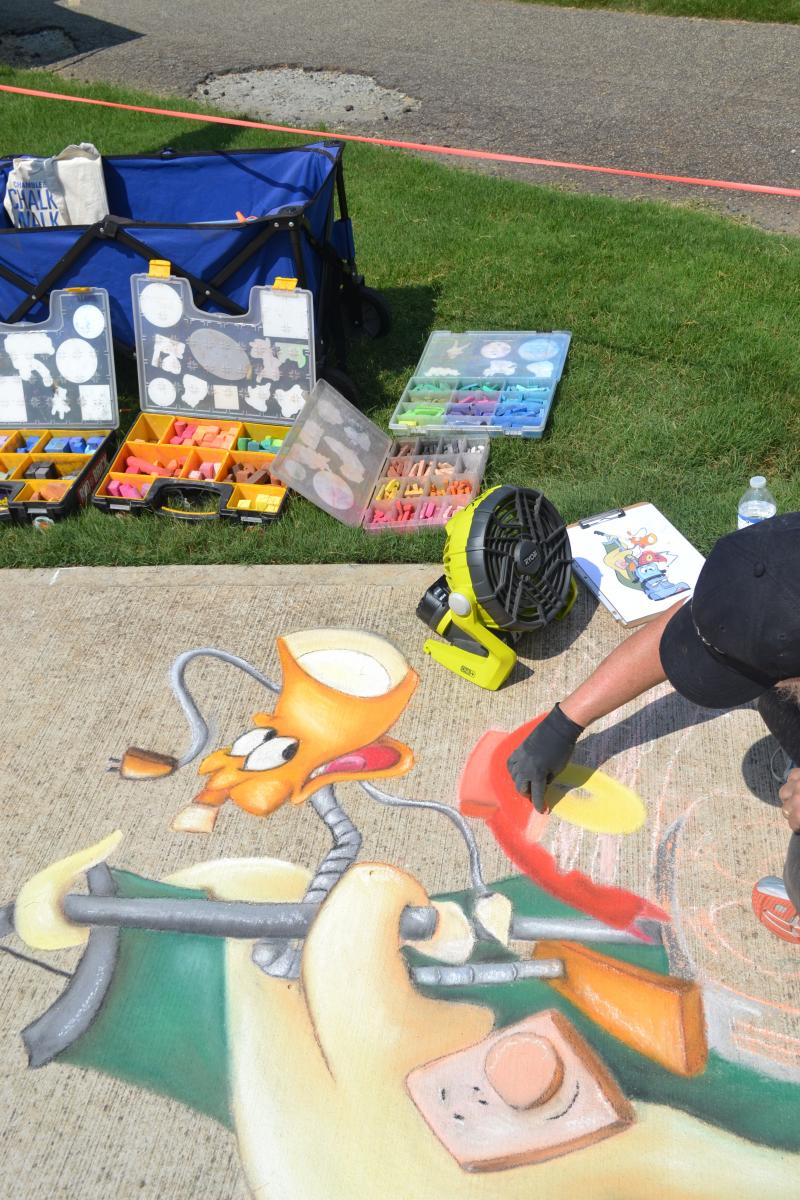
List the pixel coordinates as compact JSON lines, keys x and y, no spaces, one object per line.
{"x":635,"y":561}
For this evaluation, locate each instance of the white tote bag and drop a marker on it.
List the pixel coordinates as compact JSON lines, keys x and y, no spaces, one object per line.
{"x":67,"y":189}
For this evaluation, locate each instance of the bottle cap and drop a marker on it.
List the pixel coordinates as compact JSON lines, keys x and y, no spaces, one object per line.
{"x":758,"y":481}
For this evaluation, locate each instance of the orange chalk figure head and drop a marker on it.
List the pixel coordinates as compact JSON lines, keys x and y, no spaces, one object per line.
{"x":342,"y":691}
{"x":328,"y":724}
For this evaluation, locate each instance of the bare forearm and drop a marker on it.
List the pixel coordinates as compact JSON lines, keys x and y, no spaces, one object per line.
{"x":632,"y":668}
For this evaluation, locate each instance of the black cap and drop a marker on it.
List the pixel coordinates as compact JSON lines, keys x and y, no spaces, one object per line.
{"x":739,"y":635}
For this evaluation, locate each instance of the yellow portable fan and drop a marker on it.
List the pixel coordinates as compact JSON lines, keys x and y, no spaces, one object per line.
{"x":507,"y":570}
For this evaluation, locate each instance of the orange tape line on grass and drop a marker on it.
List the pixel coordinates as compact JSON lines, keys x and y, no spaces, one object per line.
{"x":453,"y":151}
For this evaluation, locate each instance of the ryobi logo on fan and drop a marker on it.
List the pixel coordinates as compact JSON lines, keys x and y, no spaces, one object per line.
{"x":528,"y":556}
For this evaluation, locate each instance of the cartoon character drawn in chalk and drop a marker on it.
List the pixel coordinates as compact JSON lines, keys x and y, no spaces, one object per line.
{"x":342,"y":691}
{"x":638,"y":566}
{"x":399,"y":1061}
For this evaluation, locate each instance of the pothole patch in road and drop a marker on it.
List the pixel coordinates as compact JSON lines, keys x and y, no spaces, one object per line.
{"x":296,"y":96}
{"x":36,"y":48}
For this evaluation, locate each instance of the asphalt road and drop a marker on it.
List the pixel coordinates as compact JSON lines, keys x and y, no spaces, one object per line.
{"x":672,"y":95}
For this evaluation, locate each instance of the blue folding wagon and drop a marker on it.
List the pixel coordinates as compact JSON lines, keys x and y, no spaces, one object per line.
{"x":183,"y":207}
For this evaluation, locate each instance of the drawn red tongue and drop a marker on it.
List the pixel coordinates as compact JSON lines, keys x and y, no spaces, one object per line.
{"x":376,"y":757}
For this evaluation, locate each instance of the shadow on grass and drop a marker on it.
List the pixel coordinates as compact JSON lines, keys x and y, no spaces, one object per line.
{"x":380,"y":367}
{"x":199,"y":139}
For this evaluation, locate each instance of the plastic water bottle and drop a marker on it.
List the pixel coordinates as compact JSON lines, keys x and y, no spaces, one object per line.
{"x":757,"y":504}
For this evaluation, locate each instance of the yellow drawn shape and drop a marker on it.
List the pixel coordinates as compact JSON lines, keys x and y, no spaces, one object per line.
{"x":593,"y":800}
{"x":38,"y":916}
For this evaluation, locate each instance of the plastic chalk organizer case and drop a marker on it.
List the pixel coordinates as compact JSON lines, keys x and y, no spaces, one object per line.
{"x":218,"y":394}
{"x":485,"y":382}
{"x":344,"y":464}
{"x":58,"y":407}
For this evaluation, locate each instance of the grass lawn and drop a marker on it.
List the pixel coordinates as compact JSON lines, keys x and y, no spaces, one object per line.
{"x":732,"y":10}
{"x":683,"y":378}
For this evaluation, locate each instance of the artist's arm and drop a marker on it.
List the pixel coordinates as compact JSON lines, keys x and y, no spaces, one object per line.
{"x":631,"y":669}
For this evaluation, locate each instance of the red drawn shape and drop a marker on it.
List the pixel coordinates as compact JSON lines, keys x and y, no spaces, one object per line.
{"x":486,"y":791}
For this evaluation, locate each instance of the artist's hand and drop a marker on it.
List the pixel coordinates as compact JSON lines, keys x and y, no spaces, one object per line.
{"x":789,"y":796}
{"x":543,"y":755}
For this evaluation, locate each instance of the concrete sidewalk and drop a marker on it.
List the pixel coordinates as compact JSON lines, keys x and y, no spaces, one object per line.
{"x":86,"y":654}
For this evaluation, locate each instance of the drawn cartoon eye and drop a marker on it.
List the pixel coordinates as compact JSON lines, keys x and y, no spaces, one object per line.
{"x":274,"y":753}
{"x":250,"y":741}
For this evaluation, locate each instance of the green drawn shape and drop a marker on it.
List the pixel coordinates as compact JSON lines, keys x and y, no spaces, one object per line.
{"x":289,"y":352}
{"x":162,"y":1024}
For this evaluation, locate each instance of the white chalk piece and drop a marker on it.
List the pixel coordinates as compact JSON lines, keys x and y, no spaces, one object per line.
{"x":76,"y":360}
{"x":285,"y":315}
{"x":161,"y":305}
{"x":195,"y":389}
{"x":540,"y":370}
{"x":22,"y":348}
{"x":167,"y":354}
{"x":290,"y":401}
{"x":539,"y":348}
{"x":357,"y":437}
{"x":27,"y":344}
{"x":59,"y":405}
{"x":328,"y":411}
{"x":333,"y":491}
{"x":294,"y":470}
{"x":219,"y":354}
{"x":258,"y":397}
{"x":162,"y":392}
{"x":226,"y":396}
{"x":88,"y":321}
{"x":496,"y":349}
{"x":12,"y":400}
{"x":95,"y":402}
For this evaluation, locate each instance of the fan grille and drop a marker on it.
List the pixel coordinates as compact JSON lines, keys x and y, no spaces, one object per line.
{"x":508,"y":521}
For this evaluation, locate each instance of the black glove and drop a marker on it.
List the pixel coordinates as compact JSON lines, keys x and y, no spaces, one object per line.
{"x":543,"y":755}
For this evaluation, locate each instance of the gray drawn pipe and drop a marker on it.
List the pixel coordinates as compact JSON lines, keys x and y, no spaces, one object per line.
{"x":245,"y":919}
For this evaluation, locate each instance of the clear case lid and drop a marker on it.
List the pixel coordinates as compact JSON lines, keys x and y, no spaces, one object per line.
{"x":256,"y":367}
{"x":333,"y":455}
{"x":60,"y":372}
{"x":493,"y":354}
